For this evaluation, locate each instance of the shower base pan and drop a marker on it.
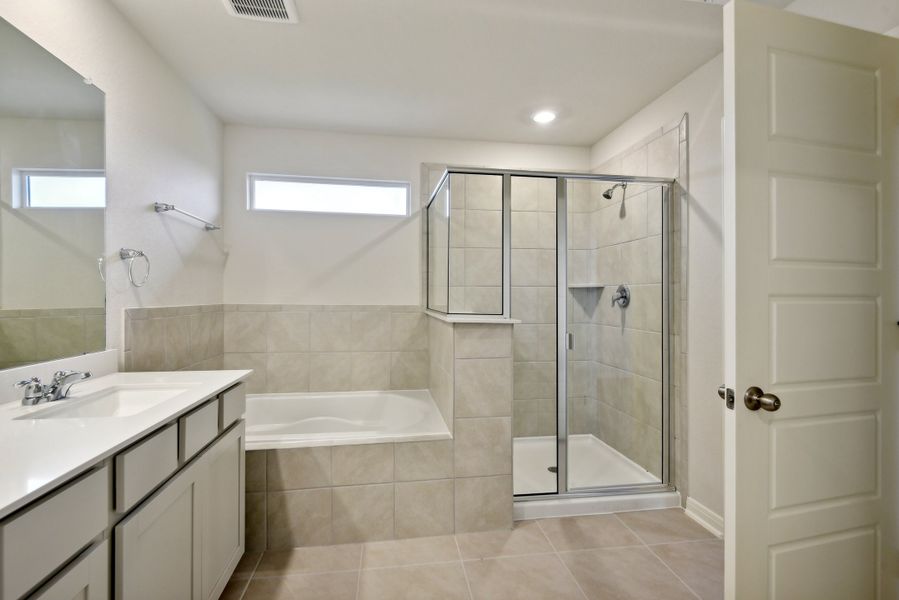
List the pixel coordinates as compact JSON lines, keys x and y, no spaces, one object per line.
{"x":591,"y":463}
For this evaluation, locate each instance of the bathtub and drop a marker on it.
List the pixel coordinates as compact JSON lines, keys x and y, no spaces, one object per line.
{"x":303,"y":420}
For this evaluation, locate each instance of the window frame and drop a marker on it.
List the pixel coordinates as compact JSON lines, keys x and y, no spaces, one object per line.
{"x":22,"y":186}
{"x":252,"y":178}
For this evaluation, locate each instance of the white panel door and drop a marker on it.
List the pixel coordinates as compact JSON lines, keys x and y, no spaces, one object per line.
{"x":810,"y":122}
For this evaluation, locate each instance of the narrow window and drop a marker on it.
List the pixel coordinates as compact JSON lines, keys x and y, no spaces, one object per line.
{"x":61,"y":188}
{"x":325,"y":195}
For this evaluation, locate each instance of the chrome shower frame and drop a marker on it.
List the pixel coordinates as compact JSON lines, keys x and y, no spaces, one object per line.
{"x":562,"y":178}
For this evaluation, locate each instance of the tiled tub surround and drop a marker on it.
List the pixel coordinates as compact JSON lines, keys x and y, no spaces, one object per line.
{"x":314,"y":496}
{"x":173,"y":338}
{"x":29,"y":336}
{"x":291,"y":348}
{"x":296,"y":348}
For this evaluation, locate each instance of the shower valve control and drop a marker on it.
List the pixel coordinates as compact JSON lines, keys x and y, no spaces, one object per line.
{"x":622,"y":296}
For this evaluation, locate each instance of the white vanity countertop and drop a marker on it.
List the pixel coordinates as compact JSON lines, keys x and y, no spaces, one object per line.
{"x":37,"y":455}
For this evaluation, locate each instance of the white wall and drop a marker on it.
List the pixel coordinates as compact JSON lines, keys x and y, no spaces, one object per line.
{"x":42,"y":265}
{"x":304,"y":258}
{"x":699,"y":95}
{"x":162,"y":143}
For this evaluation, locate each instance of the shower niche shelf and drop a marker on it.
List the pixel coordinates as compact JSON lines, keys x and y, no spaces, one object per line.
{"x":587,"y":286}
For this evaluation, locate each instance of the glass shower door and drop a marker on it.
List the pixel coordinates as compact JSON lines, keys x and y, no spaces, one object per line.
{"x":614,"y":317}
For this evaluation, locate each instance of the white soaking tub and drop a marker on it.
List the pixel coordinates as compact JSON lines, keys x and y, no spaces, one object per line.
{"x":302,"y":420}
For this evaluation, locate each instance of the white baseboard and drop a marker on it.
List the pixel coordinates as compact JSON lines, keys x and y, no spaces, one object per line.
{"x":705,"y":517}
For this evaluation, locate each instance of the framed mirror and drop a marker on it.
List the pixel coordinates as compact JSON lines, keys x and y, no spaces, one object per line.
{"x":52,"y":206}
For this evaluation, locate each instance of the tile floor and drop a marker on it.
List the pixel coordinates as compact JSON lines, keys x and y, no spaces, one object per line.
{"x":637,"y":555}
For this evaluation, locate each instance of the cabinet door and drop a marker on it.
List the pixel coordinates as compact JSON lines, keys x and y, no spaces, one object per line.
{"x":86,"y":579}
{"x":157,"y":547}
{"x":222,"y":511}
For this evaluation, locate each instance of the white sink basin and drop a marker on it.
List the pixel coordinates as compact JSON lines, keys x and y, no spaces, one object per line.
{"x":115,"y":401}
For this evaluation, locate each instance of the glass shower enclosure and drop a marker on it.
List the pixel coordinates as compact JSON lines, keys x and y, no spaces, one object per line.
{"x":581,"y":262}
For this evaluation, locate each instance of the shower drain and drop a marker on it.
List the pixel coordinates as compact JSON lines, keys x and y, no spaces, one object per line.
{"x":552,"y":469}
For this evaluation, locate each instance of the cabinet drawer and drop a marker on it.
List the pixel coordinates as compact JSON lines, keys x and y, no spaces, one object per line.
{"x":233,"y":405}
{"x":38,"y":541}
{"x":139,"y":469}
{"x":197,"y":429}
{"x":87,"y":577}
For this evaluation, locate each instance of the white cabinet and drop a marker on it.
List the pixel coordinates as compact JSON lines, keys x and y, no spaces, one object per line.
{"x":86,"y":578}
{"x":221,"y":512}
{"x":183,"y":542}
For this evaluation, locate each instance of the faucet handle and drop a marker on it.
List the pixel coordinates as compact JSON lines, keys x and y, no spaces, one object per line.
{"x":28,"y":382}
{"x":33,"y":390}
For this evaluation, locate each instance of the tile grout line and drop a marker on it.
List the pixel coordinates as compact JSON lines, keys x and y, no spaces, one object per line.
{"x":559,"y":558}
{"x":464,"y":570}
{"x":656,"y":556}
{"x":359,"y":570}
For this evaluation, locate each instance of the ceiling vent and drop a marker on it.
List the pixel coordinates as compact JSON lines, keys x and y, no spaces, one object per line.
{"x":274,"y":11}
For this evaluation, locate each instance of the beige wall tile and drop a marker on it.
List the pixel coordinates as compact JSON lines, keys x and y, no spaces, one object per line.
{"x":245,"y":332}
{"x":483,"y":228}
{"x":255,"y":470}
{"x":424,"y":508}
{"x":299,"y":518}
{"x":366,"y":463}
{"x":256,"y":382}
{"x":409,"y":331}
{"x":483,"y":446}
{"x":534,"y":380}
{"x":288,"y":372}
{"x":371,"y":330}
{"x":482,"y":341}
{"x":483,"y":267}
{"x":363,"y":513}
{"x":287,"y":331}
{"x":483,"y":503}
{"x":147,"y":344}
{"x":255,"y":522}
{"x":409,"y":370}
{"x":424,"y":460}
{"x":297,"y":468}
{"x":370,"y":370}
{"x":330,"y":372}
{"x":331,"y":331}
{"x":483,"y":387}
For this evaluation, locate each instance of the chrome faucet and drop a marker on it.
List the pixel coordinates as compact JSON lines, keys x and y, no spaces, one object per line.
{"x":622,"y":296}
{"x":36,"y":392}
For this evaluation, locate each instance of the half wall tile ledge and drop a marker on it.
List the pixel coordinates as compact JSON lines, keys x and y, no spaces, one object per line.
{"x":486,"y":319}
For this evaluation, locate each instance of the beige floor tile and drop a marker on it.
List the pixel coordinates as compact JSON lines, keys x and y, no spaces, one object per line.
{"x":624,"y":573}
{"x":415,"y":551}
{"x":535,"y":577}
{"x":314,"y":586}
{"x":315,"y":559}
{"x":699,"y":564}
{"x":445,"y":581}
{"x":664,"y":526}
{"x":582,"y":533}
{"x":234,"y":589}
{"x":525,"y":537}
{"x":246,"y":565}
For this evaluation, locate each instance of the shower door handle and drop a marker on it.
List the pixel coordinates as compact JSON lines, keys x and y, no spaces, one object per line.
{"x":570,"y":338}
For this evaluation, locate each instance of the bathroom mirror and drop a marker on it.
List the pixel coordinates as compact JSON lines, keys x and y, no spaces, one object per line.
{"x":52,"y":206}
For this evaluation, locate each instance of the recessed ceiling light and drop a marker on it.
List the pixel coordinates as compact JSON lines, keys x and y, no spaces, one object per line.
{"x":544,"y":116}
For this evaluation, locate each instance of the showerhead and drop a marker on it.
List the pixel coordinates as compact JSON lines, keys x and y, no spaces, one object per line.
{"x":608,"y":193}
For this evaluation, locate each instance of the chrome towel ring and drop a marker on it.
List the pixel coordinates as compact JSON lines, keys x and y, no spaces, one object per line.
{"x":130,"y":254}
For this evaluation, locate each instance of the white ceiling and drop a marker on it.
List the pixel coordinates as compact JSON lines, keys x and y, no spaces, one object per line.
{"x":36,"y":84}
{"x":468,"y":69}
